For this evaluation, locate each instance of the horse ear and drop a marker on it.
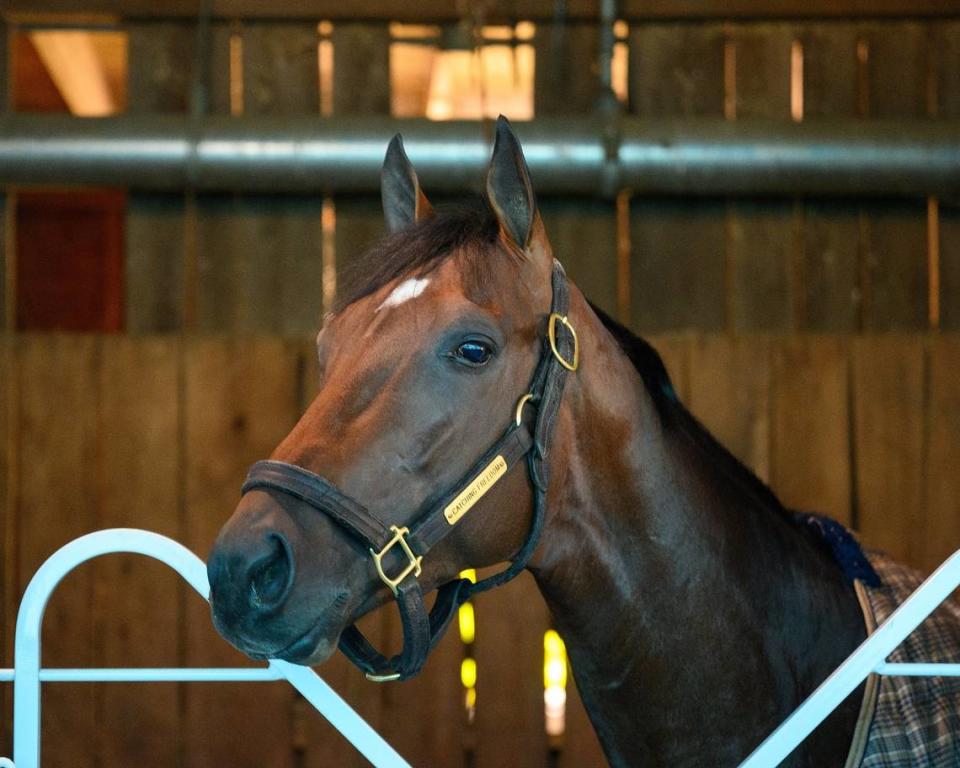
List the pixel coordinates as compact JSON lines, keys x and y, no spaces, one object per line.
{"x":403,"y":200}
{"x":508,"y":187}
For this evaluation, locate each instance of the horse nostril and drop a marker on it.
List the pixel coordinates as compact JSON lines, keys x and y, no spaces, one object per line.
{"x":271,"y":577}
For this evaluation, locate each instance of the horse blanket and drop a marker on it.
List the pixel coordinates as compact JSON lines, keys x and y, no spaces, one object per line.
{"x":908,"y":722}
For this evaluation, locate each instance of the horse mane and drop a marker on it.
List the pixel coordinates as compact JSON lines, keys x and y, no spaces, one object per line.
{"x":471,"y":234}
{"x":673,"y":412}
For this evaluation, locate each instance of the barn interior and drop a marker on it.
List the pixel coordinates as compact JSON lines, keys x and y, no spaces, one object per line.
{"x":768,"y":191}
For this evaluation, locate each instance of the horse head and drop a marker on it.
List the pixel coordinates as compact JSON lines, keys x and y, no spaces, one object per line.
{"x":421,"y":367}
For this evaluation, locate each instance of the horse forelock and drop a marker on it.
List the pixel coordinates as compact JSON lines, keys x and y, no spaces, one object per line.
{"x":468,"y":234}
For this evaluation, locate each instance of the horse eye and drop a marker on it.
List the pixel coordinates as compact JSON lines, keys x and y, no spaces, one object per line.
{"x":473,"y":353}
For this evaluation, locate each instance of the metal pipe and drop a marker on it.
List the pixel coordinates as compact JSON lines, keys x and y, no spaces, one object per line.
{"x":586,"y":156}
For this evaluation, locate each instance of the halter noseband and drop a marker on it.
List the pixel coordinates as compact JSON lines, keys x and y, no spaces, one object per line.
{"x":405,"y":547}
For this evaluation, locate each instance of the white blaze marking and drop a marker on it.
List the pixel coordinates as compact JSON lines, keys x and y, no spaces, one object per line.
{"x":408,"y":289}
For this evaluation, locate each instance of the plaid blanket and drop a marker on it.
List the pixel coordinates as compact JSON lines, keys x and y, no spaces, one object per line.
{"x":909,"y":721}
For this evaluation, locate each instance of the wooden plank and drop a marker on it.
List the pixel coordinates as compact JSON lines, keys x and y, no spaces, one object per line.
{"x":281,"y":75}
{"x":361,"y":69}
{"x":565,"y":79}
{"x":831,"y":230}
{"x":509,"y":653}
{"x":137,"y":600}
{"x":810,"y":455}
{"x":677,"y":265}
{"x":56,"y":477}
{"x":259,"y":266}
{"x":762,"y":240}
{"x":941,"y":529}
{"x":896,"y":266}
{"x":730,"y":394}
{"x":498,"y":11}
{"x":361,"y":82}
{"x":831,"y":298}
{"x":948,"y":106}
{"x":947,"y":62}
{"x":156,"y":236}
{"x":160,"y":58}
{"x":242,"y":397}
{"x":950,"y":267}
{"x":583,"y":233}
{"x":888,"y":434}
{"x":677,"y":271}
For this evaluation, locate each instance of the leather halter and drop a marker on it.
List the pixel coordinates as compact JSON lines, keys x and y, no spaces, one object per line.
{"x":404,"y":547}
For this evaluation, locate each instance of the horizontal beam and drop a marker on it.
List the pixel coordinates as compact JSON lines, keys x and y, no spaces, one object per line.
{"x":566,"y":155}
{"x":496,"y":10}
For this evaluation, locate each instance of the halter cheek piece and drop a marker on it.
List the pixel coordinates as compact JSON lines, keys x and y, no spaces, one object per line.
{"x":398,"y":551}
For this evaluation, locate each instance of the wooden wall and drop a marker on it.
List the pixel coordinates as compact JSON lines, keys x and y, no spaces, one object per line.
{"x":817,"y":338}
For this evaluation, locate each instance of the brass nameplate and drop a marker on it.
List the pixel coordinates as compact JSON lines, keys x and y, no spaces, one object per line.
{"x":474,"y":492}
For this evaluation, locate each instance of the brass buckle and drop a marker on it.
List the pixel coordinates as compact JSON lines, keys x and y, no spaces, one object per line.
{"x":520,"y":403}
{"x":413,"y":565}
{"x":552,"y":335}
{"x":382,"y":678}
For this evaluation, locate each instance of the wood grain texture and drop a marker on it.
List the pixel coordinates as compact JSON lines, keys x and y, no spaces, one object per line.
{"x":810,"y":456}
{"x":56,"y":477}
{"x":137,"y":600}
{"x":831,"y":299}
{"x":583,"y":234}
{"x":281,"y":75}
{"x":676,"y":70}
{"x":160,"y":60}
{"x":361,"y":69}
{"x":941,"y":528}
{"x":946,"y":42}
{"x":242,"y":397}
{"x":896,"y":268}
{"x":677,"y":271}
{"x":160,"y":57}
{"x":730,"y":394}
{"x":155,"y":259}
{"x":888,"y":373}
{"x":950,"y":267}
{"x":762,"y":242}
{"x":259,"y":264}
{"x":565,"y":76}
{"x":509,"y":655}
{"x":830,"y":261}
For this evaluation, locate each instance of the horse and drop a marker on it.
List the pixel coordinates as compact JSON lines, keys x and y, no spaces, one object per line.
{"x":697,"y":611}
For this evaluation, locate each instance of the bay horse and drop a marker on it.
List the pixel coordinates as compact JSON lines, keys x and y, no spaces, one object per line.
{"x":697,"y":613}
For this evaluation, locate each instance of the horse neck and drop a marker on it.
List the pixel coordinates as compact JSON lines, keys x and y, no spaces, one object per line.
{"x":672,"y":584}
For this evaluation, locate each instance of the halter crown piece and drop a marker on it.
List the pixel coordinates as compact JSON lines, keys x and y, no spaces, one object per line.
{"x":399,"y":550}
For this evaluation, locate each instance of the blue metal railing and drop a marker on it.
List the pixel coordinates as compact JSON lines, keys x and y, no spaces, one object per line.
{"x":27,"y":675}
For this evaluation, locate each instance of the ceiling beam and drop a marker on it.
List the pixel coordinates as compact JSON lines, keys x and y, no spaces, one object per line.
{"x":497,"y":10}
